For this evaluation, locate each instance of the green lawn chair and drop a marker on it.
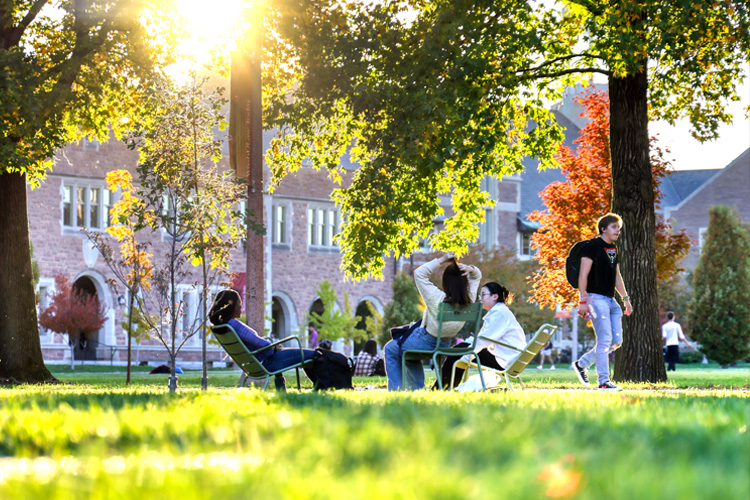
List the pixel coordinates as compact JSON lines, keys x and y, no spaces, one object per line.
{"x":539,"y":340}
{"x":245,"y":358}
{"x":471,"y":314}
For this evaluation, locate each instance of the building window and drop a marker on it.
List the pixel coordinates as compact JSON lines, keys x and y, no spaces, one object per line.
{"x":701,"y":239}
{"x":92,"y":145}
{"x":524,"y":244}
{"x":322,"y":226}
{"x":487,"y":229}
{"x":280,"y":224}
{"x":85,"y":204}
{"x":188,"y":300}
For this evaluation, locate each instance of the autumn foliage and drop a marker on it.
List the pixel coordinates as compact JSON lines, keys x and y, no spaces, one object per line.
{"x":573,"y":206}
{"x":72,"y":312}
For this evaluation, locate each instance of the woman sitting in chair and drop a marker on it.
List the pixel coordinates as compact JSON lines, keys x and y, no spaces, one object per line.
{"x":499,"y":324}
{"x":227,"y":308}
{"x":460,"y":283}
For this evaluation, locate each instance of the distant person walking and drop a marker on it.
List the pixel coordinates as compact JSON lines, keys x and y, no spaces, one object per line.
{"x":546,"y":353}
{"x":598,"y":279}
{"x":671,"y":334}
{"x":313,"y":336}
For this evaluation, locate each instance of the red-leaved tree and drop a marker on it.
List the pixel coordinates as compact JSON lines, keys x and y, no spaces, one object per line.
{"x":573,"y":206}
{"x":73,"y":313}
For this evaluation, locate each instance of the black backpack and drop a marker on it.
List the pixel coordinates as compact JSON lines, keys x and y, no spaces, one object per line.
{"x":332,"y":370}
{"x":573,"y":262}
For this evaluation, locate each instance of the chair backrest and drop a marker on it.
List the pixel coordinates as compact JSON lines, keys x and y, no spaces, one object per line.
{"x":470,"y":314}
{"x":238,"y":351}
{"x":539,"y":340}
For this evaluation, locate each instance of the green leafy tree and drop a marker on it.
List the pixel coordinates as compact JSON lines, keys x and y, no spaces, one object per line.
{"x":373,"y":323}
{"x":136,"y":326}
{"x":404,"y":307}
{"x":186,"y":196}
{"x":333,"y":323}
{"x":430,"y":102}
{"x":70,"y":69}
{"x":719,"y":313}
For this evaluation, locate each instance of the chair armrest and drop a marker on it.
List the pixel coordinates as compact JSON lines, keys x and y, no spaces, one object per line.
{"x":500,"y":343}
{"x":279,"y":342}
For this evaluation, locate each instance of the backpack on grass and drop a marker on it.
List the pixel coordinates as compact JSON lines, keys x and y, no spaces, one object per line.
{"x":332,"y":370}
{"x":573,"y":262}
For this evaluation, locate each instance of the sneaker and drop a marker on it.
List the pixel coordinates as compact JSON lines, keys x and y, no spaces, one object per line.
{"x":540,"y":367}
{"x":582,"y":373}
{"x":609,"y":386}
{"x":552,"y":367}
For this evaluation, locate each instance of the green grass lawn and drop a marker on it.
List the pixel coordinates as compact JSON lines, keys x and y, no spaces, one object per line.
{"x":93,"y":438}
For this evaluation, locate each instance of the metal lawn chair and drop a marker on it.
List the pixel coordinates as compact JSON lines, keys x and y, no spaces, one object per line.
{"x":472,"y":315}
{"x":525,"y":356}
{"x":246,"y":359}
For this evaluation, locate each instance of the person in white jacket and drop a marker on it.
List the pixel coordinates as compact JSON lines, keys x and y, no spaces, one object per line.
{"x":499,"y":324}
{"x":459,"y":286}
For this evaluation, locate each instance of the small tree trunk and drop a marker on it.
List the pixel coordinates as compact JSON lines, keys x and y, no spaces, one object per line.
{"x":204,"y":378}
{"x":130,"y":336}
{"x":173,"y":373}
{"x":72,"y":353}
{"x":21,"y":358}
{"x":640,"y":359}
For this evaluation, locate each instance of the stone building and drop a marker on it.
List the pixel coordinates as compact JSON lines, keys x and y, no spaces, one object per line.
{"x":299,"y":253}
{"x":301,"y":220}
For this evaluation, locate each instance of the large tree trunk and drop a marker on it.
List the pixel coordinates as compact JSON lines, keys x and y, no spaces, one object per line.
{"x":20,"y":350}
{"x":640,"y":358}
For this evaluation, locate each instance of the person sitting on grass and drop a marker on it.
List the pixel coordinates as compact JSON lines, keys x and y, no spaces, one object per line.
{"x":367,"y":360}
{"x":460,"y":283}
{"x":499,"y":324}
{"x":227,"y":308}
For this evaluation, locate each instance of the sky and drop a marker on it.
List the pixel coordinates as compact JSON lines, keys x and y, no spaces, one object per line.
{"x":689,"y":154}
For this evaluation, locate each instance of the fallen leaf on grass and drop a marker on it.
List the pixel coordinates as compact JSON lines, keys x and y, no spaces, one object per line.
{"x":562,"y":478}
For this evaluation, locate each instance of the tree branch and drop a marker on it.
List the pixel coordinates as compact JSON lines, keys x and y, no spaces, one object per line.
{"x":566,"y":72}
{"x":560,"y":59}
{"x":11,"y":36}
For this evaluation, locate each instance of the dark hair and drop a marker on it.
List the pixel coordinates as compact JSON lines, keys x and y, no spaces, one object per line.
{"x":225,"y":303}
{"x":670,"y":315}
{"x":503,"y":293}
{"x":455,"y":285}
{"x":607,"y":219}
{"x":371,"y":347}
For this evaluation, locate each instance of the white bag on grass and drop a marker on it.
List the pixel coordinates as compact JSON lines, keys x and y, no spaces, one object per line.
{"x":474,"y":383}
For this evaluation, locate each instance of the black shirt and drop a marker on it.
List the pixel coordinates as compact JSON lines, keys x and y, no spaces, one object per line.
{"x":603,"y":274}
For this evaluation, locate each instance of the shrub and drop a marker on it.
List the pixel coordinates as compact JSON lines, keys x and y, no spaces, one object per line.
{"x":691,"y":357}
{"x":719,"y":312}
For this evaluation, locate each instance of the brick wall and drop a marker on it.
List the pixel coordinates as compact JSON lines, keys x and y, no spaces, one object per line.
{"x":730,"y":187}
{"x":295,"y":272}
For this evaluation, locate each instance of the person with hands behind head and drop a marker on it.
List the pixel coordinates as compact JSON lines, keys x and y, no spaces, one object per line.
{"x":459,"y":286}
{"x":598,"y":279}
